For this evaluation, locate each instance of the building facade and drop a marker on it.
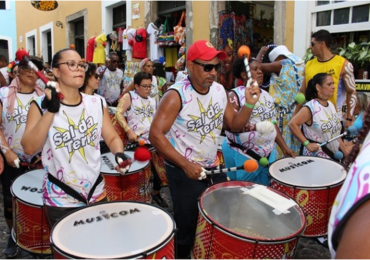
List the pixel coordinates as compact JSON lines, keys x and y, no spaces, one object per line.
{"x":8,"y":31}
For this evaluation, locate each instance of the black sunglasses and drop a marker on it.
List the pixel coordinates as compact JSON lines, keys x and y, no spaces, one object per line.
{"x":313,"y":43}
{"x":208,"y":67}
{"x":97,"y":76}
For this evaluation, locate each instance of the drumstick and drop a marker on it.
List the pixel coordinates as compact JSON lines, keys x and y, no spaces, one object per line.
{"x":248,"y":166}
{"x":22,"y":55}
{"x":244,"y":51}
{"x":351,"y":130}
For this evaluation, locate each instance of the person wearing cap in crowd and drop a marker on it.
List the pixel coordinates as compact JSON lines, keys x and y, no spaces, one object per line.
{"x":186,"y":129}
{"x":146,"y":65}
{"x":337,"y":66}
{"x":15,"y":100}
{"x":111,"y":80}
{"x":286,"y":78}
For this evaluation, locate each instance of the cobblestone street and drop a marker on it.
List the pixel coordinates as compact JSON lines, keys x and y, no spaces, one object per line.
{"x":307,"y":248}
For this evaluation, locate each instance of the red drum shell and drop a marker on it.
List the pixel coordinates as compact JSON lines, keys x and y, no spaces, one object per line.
{"x":160,"y":168}
{"x":30,"y":231}
{"x":313,"y":182}
{"x":133,"y":186}
{"x":218,"y":237}
{"x":115,"y":230}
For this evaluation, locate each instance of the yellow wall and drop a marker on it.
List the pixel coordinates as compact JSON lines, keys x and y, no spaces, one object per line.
{"x":24,"y":11}
{"x":289,"y":24}
{"x":201,"y":20}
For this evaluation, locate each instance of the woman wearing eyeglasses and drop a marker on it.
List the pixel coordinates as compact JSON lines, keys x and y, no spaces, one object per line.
{"x":146,"y":65}
{"x":140,"y":108}
{"x":14,"y":103}
{"x":253,"y":142}
{"x":68,"y":131}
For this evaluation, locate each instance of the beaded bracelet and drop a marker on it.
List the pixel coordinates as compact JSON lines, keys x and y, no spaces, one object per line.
{"x":306,"y":143}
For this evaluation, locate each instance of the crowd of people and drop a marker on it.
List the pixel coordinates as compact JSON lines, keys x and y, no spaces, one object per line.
{"x":65,"y":121}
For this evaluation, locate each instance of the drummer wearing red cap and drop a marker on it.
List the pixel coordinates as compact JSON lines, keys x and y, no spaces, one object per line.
{"x":186,"y":129}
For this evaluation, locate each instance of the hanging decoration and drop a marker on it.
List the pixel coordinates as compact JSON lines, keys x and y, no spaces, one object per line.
{"x":45,"y":5}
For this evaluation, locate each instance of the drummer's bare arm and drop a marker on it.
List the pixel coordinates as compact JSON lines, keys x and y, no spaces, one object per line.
{"x":272,"y":67}
{"x":109,"y":134}
{"x":282,"y":144}
{"x":1,"y":165}
{"x":302,"y":90}
{"x":162,"y":122}
{"x":350,"y":86}
{"x":236,"y":121}
{"x":37,"y":128}
{"x":354,"y":240}
{"x":303,"y":116}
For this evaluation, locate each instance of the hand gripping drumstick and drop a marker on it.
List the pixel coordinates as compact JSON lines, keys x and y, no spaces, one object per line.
{"x":351,"y":130}
{"x":248,"y":166}
{"x":22,"y":55}
{"x":245,"y":52}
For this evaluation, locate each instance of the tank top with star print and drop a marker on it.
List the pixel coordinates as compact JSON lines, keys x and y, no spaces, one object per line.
{"x":263,"y":110}
{"x":72,"y":151}
{"x":141,"y":112}
{"x":13,"y":126}
{"x":196,"y":130}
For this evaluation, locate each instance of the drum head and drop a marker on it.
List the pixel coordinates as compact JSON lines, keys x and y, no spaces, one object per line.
{"x":252,"y":211}
{"x":109,"y":163}
{"x":28,"y":187}
{"x":307,"y":171}
{"x":112,"y":230}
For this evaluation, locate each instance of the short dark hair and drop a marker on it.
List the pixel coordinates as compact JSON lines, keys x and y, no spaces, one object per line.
{"x":323,"y":36}
{"x":239,"y":67}
{"x":319,"y":78}
{"x":141,"y":75}
{"x":159,"y":70}
{"x":90,"y":72}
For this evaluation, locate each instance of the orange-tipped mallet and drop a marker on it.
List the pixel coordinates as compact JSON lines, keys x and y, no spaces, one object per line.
{"x":248,"y":166}
{"x":245,"y":52}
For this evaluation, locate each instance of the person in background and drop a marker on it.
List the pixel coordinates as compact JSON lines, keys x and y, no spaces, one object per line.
{"x":111,"y":80}
{"x":340,"y":69}
{"x":286,"y":78}
{"x":186,"y":129}
{"x":146,"y":65}
{"x":4,"y":80}
{"x":160,"y":74}
{"x":319,"y":120}
{"x":91,"y":82}
{"x":249,"y":143}
{"x":12,"y":70}
{"x":68,"y":132}
{"x":348,"y":231}
{"x":15,"y":100}
{"x":225,"y":76}
{"x":140,"y":109}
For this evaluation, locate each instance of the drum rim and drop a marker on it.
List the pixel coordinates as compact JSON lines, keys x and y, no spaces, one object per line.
{"x":129,"y":172}
{"x":323,"y":187}
{"x":21,"y":199}
{"x":254,"y":239}
{"x":43,"y":252}
{"x":142,"y":254}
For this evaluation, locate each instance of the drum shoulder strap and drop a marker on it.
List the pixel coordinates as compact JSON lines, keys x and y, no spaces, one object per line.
{"x":71,"y":192}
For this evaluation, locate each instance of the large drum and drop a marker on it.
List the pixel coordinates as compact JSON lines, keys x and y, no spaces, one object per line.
{"x":30,"y":230}
{"x":313,"y":182}
{"x":219,"y":151}
{"x":122,"y":134}
{"x":134,"y":185}
{"x":245,"y":220}
{"x":158,"y":165}
{"x":115,"y":230}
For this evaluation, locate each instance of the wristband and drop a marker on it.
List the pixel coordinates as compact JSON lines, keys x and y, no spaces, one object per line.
{"x":349,"y":119}
{"x":248,"y":105}
{"x":306,"y":143}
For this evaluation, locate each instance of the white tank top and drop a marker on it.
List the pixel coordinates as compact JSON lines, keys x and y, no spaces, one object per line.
{"x":71,"y":152}
{"x":196,"y":130}
{"x":13,"y":126}
{"x":141,"y":112}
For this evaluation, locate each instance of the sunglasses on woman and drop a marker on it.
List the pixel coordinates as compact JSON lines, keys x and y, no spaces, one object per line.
{"x":208,"y":67}
{"x":97,"y":76}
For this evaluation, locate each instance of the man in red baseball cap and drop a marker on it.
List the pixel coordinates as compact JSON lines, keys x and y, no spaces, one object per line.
{"x":192,"y":113}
